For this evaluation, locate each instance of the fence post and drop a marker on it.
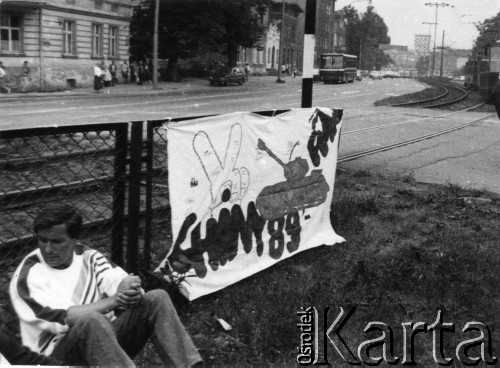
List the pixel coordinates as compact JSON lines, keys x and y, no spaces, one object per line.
{"x":118,"y":210}
{"x":134,"y":196}
{"x":148,"y":215}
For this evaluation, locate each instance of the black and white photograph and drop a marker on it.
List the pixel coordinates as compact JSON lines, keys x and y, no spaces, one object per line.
{"x":250,"y":183}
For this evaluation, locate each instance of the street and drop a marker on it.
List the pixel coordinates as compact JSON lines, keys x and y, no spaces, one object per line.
{"x":194,"y":99}
{"x":468,"y":157}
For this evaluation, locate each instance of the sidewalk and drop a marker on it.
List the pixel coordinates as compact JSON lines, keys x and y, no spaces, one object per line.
{"x":120,"y":90}
{"x":117,"y":90}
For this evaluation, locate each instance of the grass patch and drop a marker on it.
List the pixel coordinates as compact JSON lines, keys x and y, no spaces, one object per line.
{"x":412,"y":249}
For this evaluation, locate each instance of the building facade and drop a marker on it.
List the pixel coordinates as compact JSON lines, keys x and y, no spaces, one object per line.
{"x":62,"y":40}
{"x":339,"y":34}
{"x":324,"y":33}
{"x":422,"y":44}
{"x":288,"y":28}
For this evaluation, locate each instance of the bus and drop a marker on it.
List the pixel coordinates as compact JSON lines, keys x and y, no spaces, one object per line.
{"x":335,"y":67}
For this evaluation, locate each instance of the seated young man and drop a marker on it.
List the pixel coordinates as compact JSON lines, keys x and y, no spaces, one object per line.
{"x":65,"y":295}
{"x":13,"y":353}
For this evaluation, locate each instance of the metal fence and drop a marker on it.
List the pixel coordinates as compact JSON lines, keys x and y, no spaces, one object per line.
{"x":116,"y":175}
{"x":84,"y":166}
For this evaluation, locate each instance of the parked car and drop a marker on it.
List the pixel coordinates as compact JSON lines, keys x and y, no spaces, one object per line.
{"x":227,"y":76}
{"x":390,"y":74}
{"x":376,"y":74}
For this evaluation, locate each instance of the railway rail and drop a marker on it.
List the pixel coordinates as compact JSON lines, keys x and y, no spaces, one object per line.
{"x":450,"y":94}
{"x":22,"y":199}
{"x":407,"y":142}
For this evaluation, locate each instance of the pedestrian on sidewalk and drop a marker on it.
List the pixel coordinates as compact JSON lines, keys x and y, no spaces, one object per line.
{"x":247,"y":71}
{"x":141,"y":73}
{"x":294,"y":71}
{"x":133,"y":72}
{"x":148,"y":71}
{"x":108,"y":80}
{"x":125,"y":71}
{"x":112,"y":70}
{"x":25,"y":75}
{"x":3,"y":87}
{"x":98,"y":74}
{"x":150,"y":68}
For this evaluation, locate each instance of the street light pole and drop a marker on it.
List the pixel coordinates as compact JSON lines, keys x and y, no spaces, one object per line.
{"x":437,"y":5}
{"x":155,"y":46}
{"x":429,"y":59}
{"x":279,"y":80}
{"x":442,"y":57}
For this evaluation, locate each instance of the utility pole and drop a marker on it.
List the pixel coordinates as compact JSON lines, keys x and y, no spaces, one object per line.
{"x":280,"y":52}
{"x":155,"y":46}
{"x":437,"y":5}
{"x":429,"y":59}
{"x":442,"y":56}
{"x":308,"y":59}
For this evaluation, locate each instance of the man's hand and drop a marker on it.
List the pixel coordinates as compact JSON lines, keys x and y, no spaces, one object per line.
{"x":129,"y":282}
{"x":129,"y":293}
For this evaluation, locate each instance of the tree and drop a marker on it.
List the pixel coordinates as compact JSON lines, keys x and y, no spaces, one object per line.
{"x":353,"y":29}
{"x":190,"y":27}
{"x":364,"y":35}
{"x":184,"y":25}
{"x":374,"y":33}
{"x":488,"y":34}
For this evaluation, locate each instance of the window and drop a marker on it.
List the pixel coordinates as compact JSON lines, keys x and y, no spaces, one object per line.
{"x":98,"y":4}
{"x":70,"y":2}
{"x":96,"y":39}
{"x":10,"y":33}
{"x":113,"y":41}
{"x":115,"y":7}
{"x":69,"y":37}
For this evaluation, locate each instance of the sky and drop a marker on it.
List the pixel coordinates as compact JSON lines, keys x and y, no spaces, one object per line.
{"x":404,"y":19}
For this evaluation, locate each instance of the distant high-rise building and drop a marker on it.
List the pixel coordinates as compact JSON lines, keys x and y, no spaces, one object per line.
{"x":422,"y":44}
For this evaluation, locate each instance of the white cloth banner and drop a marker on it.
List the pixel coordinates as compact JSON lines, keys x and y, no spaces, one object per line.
{"x":247,"y":191}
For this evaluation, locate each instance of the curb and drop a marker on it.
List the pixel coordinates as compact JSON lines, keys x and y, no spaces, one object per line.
{"x":89,"y":94}
{"x":55,"y":95}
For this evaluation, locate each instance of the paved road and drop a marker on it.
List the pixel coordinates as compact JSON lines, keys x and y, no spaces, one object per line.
{"x":128,"y":103}
{"x":469,"y":157}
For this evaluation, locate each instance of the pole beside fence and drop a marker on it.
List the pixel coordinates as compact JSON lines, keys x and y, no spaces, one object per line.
{"x":134,"y":196}
{"x":118,"y":210}
{"x":308,"y":58}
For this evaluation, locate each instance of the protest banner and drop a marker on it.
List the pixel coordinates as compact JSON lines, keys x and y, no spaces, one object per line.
{"x":247,"y":191}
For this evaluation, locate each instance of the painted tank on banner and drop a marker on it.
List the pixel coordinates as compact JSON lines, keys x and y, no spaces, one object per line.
{"x":297,"y":193}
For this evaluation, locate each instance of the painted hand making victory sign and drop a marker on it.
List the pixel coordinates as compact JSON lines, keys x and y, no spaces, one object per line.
{"x":227,"y":183}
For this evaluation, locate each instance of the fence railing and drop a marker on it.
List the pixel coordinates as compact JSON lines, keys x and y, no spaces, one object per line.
{"x":80,"y":165}
{"x":116,"y":175}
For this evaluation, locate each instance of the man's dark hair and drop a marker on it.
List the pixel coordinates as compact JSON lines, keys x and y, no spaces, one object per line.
{"x":57,"y":215}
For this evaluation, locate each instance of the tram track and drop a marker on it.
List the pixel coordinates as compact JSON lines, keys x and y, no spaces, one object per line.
{"x":407,"y":142}
{"x":383,"y":126}
{"x":11,"y":197}
{"x":450,"y":95}
{"x":163,"y":203}
{"x":24,"y":199}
